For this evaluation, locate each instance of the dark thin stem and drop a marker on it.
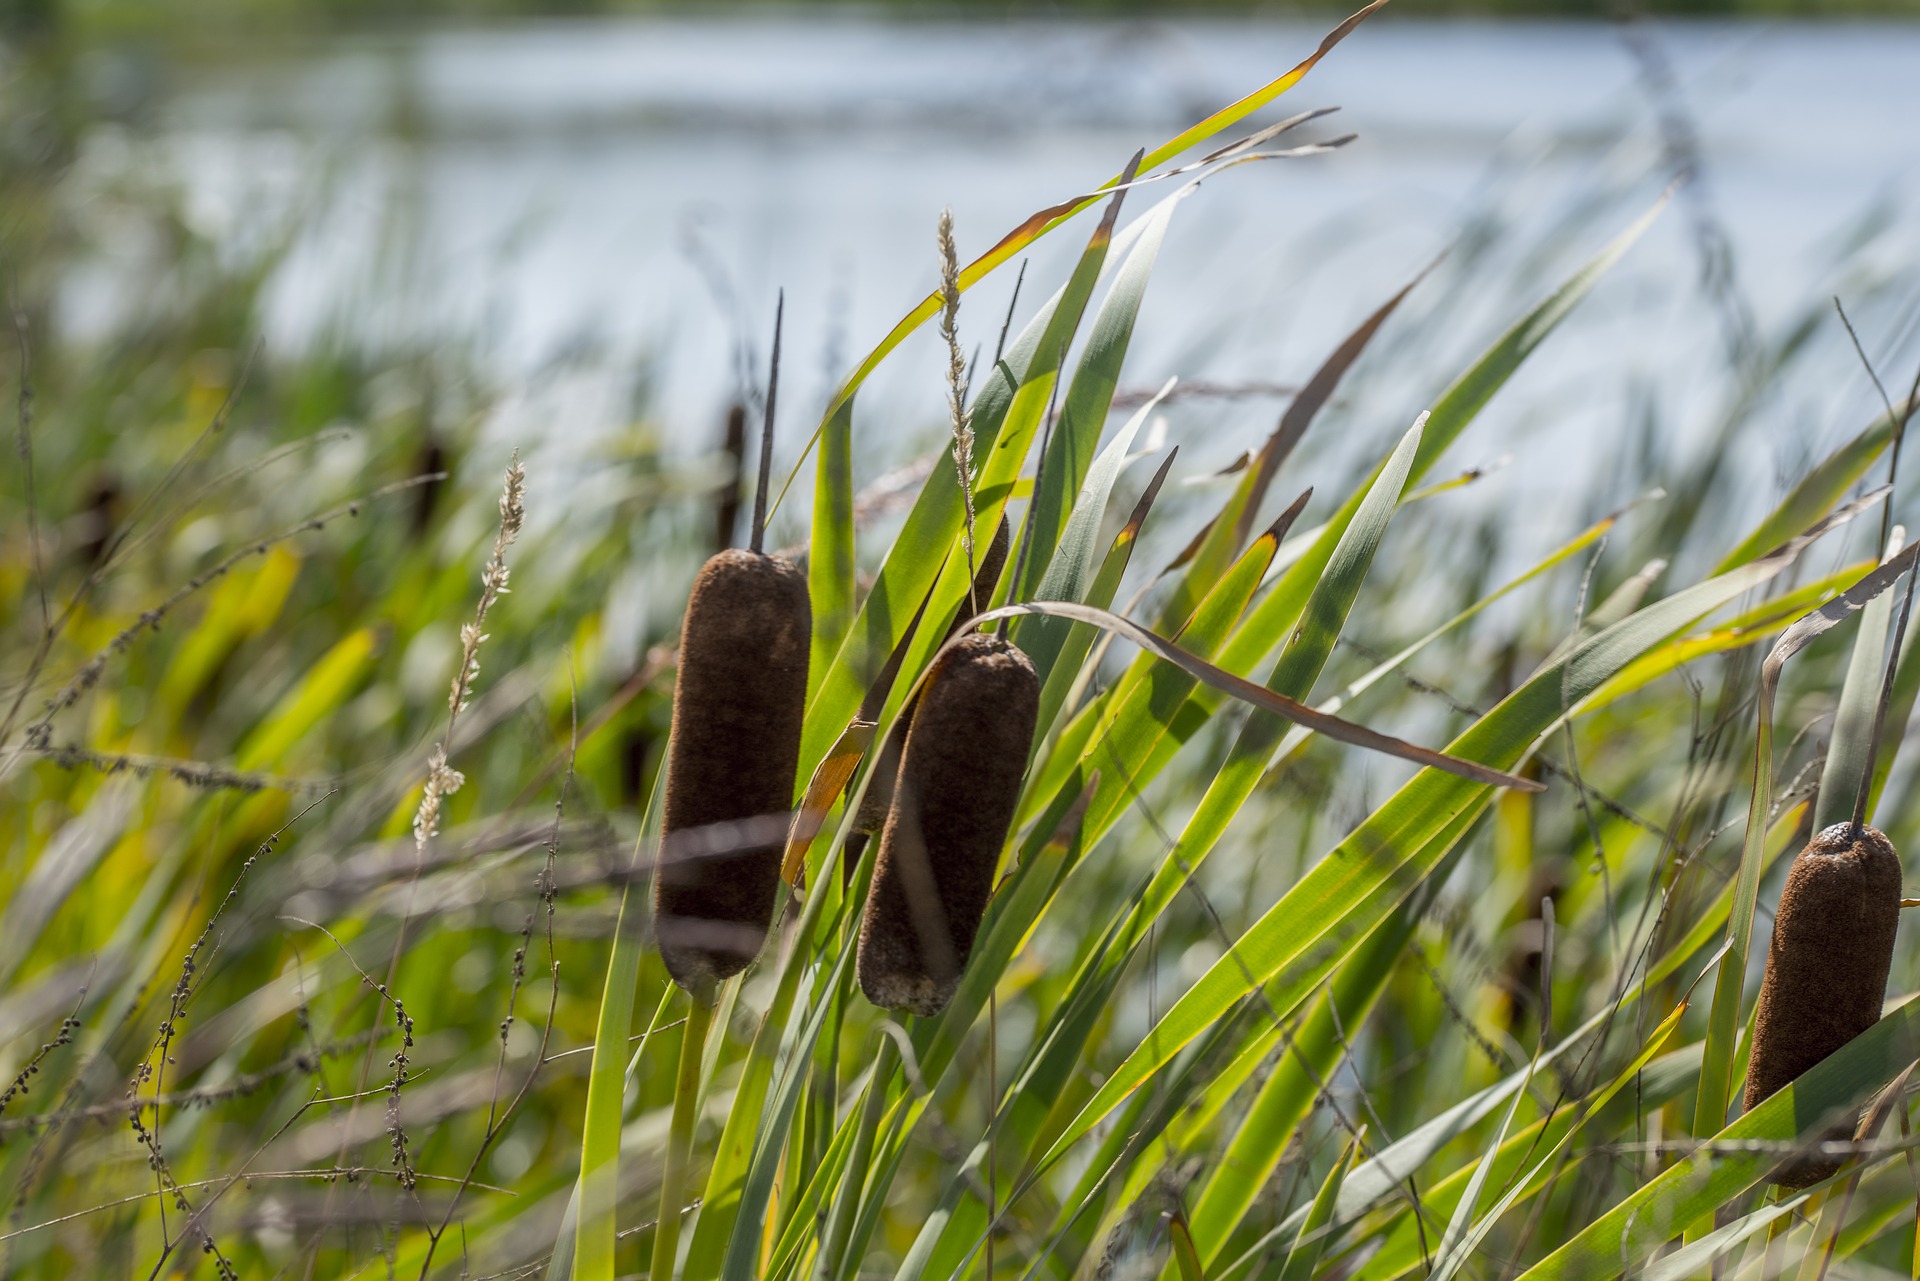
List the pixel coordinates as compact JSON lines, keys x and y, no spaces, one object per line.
{"x":1880,"y":712}
{"x":1897,"y":422}
{"x":26,"y":461}
{"x":999,"y":348}
{"x":1039,"y":478}
{"x":766,"y":431}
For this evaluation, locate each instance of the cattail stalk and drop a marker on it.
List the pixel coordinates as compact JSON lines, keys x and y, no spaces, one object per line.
{"x":686,"y":1098}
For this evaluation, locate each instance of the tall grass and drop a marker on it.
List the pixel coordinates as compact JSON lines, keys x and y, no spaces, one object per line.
{"x":309,"y":970}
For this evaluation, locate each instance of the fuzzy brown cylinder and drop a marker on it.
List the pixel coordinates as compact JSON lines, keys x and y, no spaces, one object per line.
{"x":954,"y":800}
{"x":872,"y":814}
{"x":737,"y":712}
{"x":1826,"y":969}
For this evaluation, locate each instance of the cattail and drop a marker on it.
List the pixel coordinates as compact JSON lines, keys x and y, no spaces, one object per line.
{"x":878,"y":799}
{"x":731,"y":762}
{"x":954,"y":800}
{"x":1826,"y":968}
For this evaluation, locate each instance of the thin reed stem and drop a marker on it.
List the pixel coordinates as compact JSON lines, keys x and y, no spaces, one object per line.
{"x":758,"y":542}
{"x":686,"y":1106}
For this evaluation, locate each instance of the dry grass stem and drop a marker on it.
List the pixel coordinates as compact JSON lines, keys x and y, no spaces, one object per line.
{"x":442,"y":779}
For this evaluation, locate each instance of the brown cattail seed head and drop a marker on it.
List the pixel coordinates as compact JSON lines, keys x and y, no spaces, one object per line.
{"x":737,"y":712}
{"x":954,"y":800}
{"x":1826,"y":968}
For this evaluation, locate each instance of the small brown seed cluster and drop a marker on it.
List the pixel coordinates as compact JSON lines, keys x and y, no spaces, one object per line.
{"x":1826,"y":968}
{"x":954,"y":800}
{"x":737,"y":713}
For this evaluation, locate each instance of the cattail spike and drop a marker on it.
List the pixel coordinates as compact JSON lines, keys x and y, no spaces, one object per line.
{"x":766,"y":430}
{"x":1827,"y":967}
{"x":738,"y":707}
{"x":954,"y":802}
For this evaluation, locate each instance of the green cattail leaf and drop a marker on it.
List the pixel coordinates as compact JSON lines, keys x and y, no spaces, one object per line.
{"x":1287,"y":1096}
{"x":1229,"y":529}
{"x":1068,"y":664}
{"x":1147,"y":1117}
{"x":727,"y":1236}
{"x":1662,"y":1079}
{"x":1456,"y":1250}
{"x":1818,"y":491}
{"x":1850,"y":747}
{"x":1906,"y":686}
{"x":1750,"y":627}
{"x":1456,"y":1243}
{"x":1122,"y":728}
{"x":1083,"y":413}
{"x":1298,"y":737}
{"x":1045,"y":220}
{"x":1293,"y":677}
{"x":1320,"y":920}
{"x":1303,"y":1258}
{"x":921,"y":568}
{"x":1070,"y":574}
{"x":1666,"y":1078}
{"x":1274,"y":618}
{"x":1185,"y":1256}
{"x":1738,"y":1159}
{"x":1697,"y":1259}
{"x":739,"y":1154}
{"x":830,"y":566}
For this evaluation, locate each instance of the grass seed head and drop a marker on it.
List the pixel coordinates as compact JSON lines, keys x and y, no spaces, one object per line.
{"x":737,"y":712}
{"x":1826,"y":968}
{"x":954,"y":800}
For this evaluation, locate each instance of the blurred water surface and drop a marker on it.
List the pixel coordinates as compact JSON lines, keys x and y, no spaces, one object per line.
{"x":619,"y":201}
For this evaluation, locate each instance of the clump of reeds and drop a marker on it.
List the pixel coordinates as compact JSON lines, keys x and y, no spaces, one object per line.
{"x":954,"y":800}
{"x":1826,"y":968}
{"x":738,"y":707}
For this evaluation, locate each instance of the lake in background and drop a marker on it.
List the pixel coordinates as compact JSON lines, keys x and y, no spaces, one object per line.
{"x":605,"y":210}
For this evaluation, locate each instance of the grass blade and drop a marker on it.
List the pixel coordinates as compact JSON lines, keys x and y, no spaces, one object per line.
{"x":1850,"y":747}
{"x":1342,"y":898}
{"x":1739,"y":1156}
{"x":830,"y":564}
